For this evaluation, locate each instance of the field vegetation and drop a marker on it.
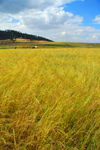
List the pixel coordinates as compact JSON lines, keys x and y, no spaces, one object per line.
{"x":24,"y":43}
{"x":50,"y":99}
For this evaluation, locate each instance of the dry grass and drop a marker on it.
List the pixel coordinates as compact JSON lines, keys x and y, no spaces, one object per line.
{"x":50,"y":99}
{"x":32,"y":41}
{"x":22,"y":40}
{"x":3,"y":42}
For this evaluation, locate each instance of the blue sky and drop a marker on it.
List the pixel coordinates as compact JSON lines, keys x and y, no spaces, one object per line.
{"x":59,"y":20}
{"x":87,"y":8}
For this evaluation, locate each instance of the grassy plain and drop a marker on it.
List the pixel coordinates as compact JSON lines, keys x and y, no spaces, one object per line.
{"x":50,"y":99}
{"x":24,"y":43}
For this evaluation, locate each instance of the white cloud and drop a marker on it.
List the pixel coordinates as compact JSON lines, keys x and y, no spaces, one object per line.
{"x":53,"y":23}
{"x":5,"y":18}
{"x":50,"y":18}
{"x":15,"y":6}
{"x":47,"y":19}
{"x":76,"y":33}
{"x":63,"y":33}
{"x":97,"y":19}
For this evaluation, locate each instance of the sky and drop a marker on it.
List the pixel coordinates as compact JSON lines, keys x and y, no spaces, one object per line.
{"x":57,"y":20}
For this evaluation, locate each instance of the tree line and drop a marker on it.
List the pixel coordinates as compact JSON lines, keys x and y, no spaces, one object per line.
{"x":12,"y":34}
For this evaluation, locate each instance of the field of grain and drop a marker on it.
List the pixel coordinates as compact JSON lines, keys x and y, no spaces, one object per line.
{"x":50,"y":99}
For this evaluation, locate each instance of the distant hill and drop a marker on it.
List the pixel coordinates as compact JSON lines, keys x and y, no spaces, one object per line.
{"x":11,"y":34}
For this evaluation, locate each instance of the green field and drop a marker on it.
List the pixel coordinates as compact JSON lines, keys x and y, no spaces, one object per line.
{"x":50,"y":98}
{"x":25,"y":43}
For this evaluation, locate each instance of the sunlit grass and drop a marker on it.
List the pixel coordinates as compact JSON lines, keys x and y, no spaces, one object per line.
{"x":50,"y":99}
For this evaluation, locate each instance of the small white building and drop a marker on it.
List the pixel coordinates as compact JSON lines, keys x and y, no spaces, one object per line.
{"x":36,"y":46}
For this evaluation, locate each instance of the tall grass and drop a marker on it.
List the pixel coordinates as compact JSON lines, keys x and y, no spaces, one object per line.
{"x":50,"y":99}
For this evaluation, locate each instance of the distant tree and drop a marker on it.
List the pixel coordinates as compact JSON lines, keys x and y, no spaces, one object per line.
{"x":11,"y":38}
{"x":12,"y":35}
{"x":24,"y":36}
{"x":15,"y":38}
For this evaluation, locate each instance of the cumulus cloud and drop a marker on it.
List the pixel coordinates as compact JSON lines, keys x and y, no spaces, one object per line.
{"x":97,"y":19}
{"x":81,"y":34}
{"x":15,"y":6}
{"x":5,"y":18}
{"x":75,"y":33}
{"x":50,"y":18}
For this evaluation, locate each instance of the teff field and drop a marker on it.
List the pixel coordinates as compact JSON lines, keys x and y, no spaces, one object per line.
{"x":50,"y":99}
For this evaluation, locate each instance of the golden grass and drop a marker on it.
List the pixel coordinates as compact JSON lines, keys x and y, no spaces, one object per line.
{"x":32,"y":41}
{"x":50,"y":99}
{"x":5,"y":42}
{"x":22,"y":40}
